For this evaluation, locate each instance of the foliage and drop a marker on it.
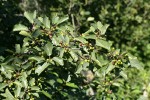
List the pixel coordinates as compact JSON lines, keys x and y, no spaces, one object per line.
{"x":55,"y":62}
{"x":128,"y":31}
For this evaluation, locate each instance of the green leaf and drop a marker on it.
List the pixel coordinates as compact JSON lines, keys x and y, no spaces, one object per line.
{"x":47,"y":94}
{"x":79,"y":68}
{"x":3,"y":85}
{"x":17,"y":91}
{"x":46,"y":22}
{"x":55,"y":19}
{"x":80,"y":39}
{"x":61,"y":52}
{"x":109,"y":68}
{"x":48,"y":48}
{"x":135,"y":63}
{"x":35,"y":88}
{"x":18,"y":48}
{"x":66,"y":38}
{"x":59,"y":81}
{"x":73,"y":55}
{"x":20,"y":27}
{"x":37,"y":58}
{"x":1,"y":78}
{"x":98,"y":62}
{"x":104,"y":28}
{"x":24,"y":82}
{"x":124,"y":75}
{"x":90,"y":19}
{"x":103,"y":43}
{"x":69,"y":78}
{"x":30,"y":16}
{"x":32,"y":82}
{"x":61,"y":20}
{"x":93,"y":57}
{"x":24,"y":33}
{"x":40,"y":69}
{"x":99,"y":25}
{"x":116,"y":84}
{"x":36,"y":33}
{"x":18,"y":83}
{"x":90,"y":37}
{"x":6,"y":72}
{"x":58,"y":60}
{"x":35,"y":94}
{"x":71,"y":85}
{"x":9,"y":96}
{"x":26,"y":66}
{"x":55,"y":41}
{"x":51,"y":82}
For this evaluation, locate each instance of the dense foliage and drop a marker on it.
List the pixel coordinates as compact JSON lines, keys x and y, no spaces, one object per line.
{"x":71,"y":56}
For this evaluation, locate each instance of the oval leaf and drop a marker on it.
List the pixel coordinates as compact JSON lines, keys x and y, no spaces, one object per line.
{"x":24,"y":33}
{"x":40,"y":69}
{"x":71,"y":85}
{"x":20,"y":27}
{"x":103,"y":43}
{"x":3,"y":85}
{"x":48,"y":48}
{"x":46,"y":22}
{"x":30,"y":16}
{"x":9,"y":96}
{"x":58,"y":60}
{"x":74,"y":55}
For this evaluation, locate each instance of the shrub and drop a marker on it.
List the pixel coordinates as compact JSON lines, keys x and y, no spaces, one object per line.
{"x":57,"y":62}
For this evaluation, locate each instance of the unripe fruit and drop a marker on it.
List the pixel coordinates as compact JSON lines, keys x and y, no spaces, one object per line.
{"x":14,"y":75}
{"x":86,"y":60}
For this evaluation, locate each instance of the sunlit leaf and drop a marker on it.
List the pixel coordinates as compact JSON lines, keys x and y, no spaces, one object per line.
{"x":37,"y":58}
{"x":55,"y":19}
{"x":3,"y":85}
{"x":25,"y":33}
{"x":48,"y":48}
{"x":9,"y":96}
{"x":47,"y":94}
{"x":32,"y":82}
{"x":18,"y":48}
{"x":90,"y":37}
{"x":63,"y":19}
{"x":116,"y":84}
{"x":103,"y":43}
{"x":46,"y":22}
{"x":110,"y":68}
{"x":35,"y":88}
{"x":20,"y":27}
{"x":135,"y":63}
{"x":17,"y":91}
{"x":30,"y":16}
{"x":124,"y":75}
{"x":104,"y":28}
{"x":59,"y":80}
{"x":24,"y":82}
{"x":73,"y":55}
{"x":58,"y":60}
{"x":71,"y":85}
{"x":36,"y":33}
{"x":40,"y":69}
{"x":18,"y":83}
{"x":80,"y":39}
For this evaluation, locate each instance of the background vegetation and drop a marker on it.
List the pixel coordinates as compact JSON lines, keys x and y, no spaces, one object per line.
{"x":128,"y":32}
